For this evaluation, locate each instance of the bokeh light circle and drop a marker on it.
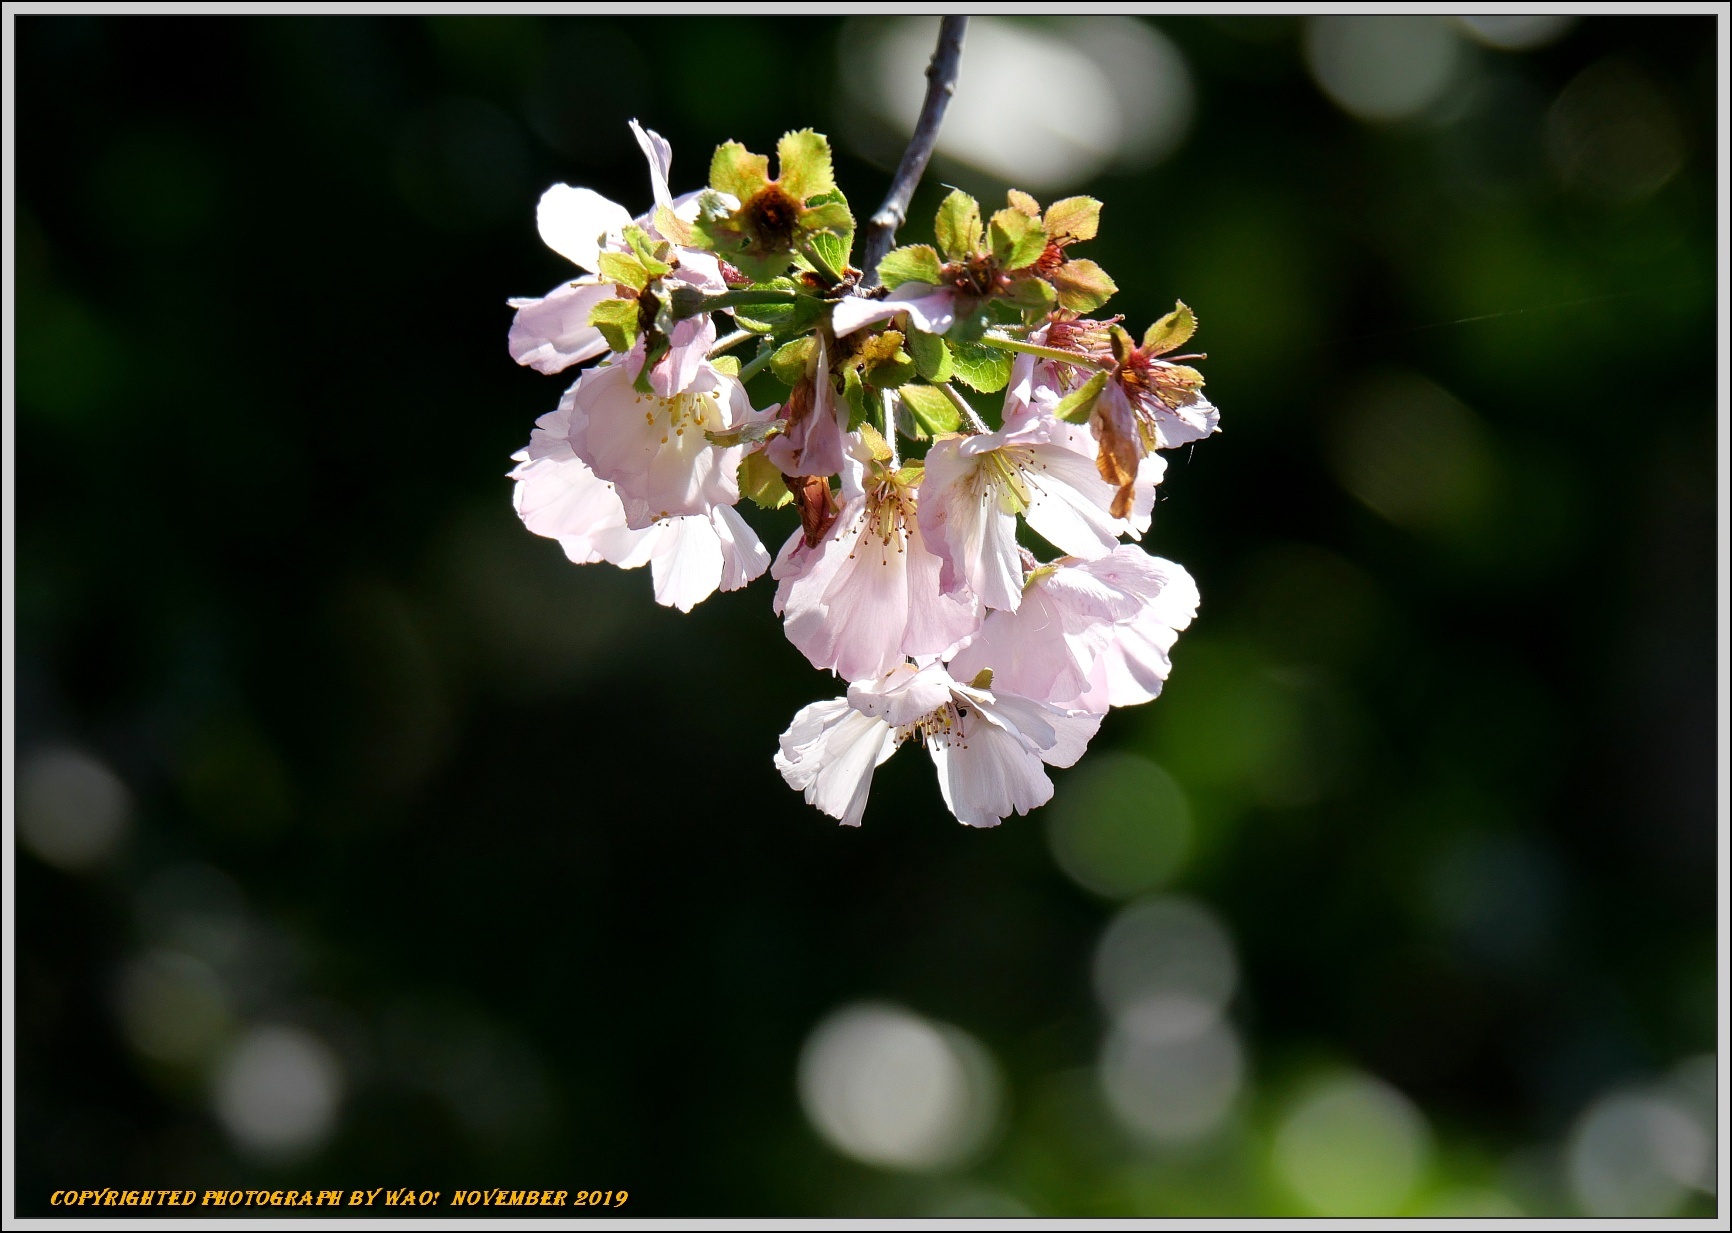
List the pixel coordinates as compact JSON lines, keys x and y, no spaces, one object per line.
{"x":1351,"y":1145}
{"x":277,"y":1092}
{"x":890,"y":1088}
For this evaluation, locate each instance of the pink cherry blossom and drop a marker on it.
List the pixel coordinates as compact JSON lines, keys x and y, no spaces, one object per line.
{"x":690,"y":557}
{"x":1089,"y":634}
{"x":653,"y":449}
{"x":868,"y":594}
{"x":812,"y":442}
{"x":931,"y":309}
{"x":990,"y":748}
{"x":976,"y":486}
{"x":1038,"y":384}
{"x":553,"y":332}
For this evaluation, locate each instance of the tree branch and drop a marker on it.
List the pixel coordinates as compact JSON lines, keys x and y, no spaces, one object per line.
{"x":940,"y":85}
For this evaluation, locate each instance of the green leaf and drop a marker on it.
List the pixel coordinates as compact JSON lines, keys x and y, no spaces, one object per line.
{"x":803,"y":164}
{"x":735,"y":169}
{"x":958,"y":225}
{"x":1031,"y":293}
{"x":791,"y":318}
{"x":760,"y":481}
{"x":1017,"y":239}
{"x":930,"y":410}
{"x":831,"y":215}
{"x":728,"y":364}
{"x":854,"y":394}
{"x":1172,"y":330}
{"x":982,"y":679}
{"x":890,"y":373}
{"x":981,"y":367}
{"x":913,"y":263}
{"x":618,"y":322}
{"x":624,"y":269}
{"x":1082,"y":285}
{"x":647,"y":250}
{"x":1074,"y":218}
{"x":761,"y":268}
{"x":1020,"y":200}
{"x":838,"y":246}
{"x":967,"y":329}
{"x":658,"y":347}
{"x":931,"y":356}
{"x":832,"y":250}
{"x":789,"y":362}
{"x":1076,"y":406}
{"x":672,"y":228}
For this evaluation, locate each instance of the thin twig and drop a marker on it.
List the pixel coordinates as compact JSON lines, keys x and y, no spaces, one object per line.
{"x":1048,"y":353}
{"x":729,"y":342}
{"x":940,"y":85}
{"x":890,"y":430}
{"x":755,"y":365}
{"x":966,"y":407}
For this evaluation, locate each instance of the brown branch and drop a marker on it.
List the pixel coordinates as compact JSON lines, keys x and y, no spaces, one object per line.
{"x":940,"y":85}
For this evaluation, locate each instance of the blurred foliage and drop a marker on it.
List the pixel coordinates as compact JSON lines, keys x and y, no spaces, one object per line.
{"x":507,"y":838}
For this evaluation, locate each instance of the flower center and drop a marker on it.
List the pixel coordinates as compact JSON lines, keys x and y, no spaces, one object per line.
{"x":684,"y":410}
{"x":889,"y":512}
{"x":949,"y":725}
{"x":772,"y":215}
{"x":1004,"y":475}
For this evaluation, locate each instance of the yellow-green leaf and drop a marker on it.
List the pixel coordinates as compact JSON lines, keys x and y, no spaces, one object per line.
{"x":1020,"y":200}
{"x":1076,"y":406}
{"x":789,"y":362}
{"x":831,"y":216}
{"x":958,"y":225}
{"x":735,"y":169}
{"x":874,"y":442}
{"x":1074,"y":218}
{"x":1171,"y":331}
{"x":671,"y":227}
{"x":762,"y":482}
{"x":618,"y":322}
{"x":1017,"y":239}
{"x":803,"y":164}
{"x":624,"y":269}
{"x":1082,"y":286}
{"x":915,"y":263}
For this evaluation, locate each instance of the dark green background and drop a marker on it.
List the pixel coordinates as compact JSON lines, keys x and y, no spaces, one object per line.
{"x":267,"y":569}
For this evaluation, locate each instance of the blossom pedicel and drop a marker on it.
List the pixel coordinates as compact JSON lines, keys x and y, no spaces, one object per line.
{"x":905,"y":576}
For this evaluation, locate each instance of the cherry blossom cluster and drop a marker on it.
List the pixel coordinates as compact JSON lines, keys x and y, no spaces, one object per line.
{"x":908,"y":577}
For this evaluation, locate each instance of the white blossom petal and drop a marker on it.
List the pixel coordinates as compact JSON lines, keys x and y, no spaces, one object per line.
{"x":744,"y":556}
{"x":1089,"y":634}
{"x":1069,"y":504}
{"x":989,"y":776}
{"x":1191,"y":422}
{"x":653,"y":449}
{"x":864,"y":600}
{"x":931,"y":309}
{"x":829,"y":753}
{"x":902,"y":695}
{"x":576,"y":222}
{"x":553,"y":332}
{"x":661,"y":160}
